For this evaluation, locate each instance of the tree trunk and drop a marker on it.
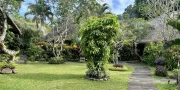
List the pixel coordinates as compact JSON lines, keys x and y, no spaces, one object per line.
{"x":3,"y":29}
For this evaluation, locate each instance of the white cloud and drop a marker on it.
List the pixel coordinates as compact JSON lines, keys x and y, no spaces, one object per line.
{"x":118,"y":6}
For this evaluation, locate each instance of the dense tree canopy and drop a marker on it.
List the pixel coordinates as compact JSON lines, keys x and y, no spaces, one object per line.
{"x":10,"y":6}
{"x":79,"y":10}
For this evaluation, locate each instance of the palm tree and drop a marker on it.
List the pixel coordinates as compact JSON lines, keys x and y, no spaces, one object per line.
{"x":104,"y":9}
{"x":41,"y":12}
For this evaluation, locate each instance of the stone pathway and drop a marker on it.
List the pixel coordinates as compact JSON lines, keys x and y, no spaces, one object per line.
{"x":141,"y":79}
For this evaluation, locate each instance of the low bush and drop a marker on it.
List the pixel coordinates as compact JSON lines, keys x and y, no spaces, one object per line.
{"x":71,"y":53}
{"x":4,"y":57}
{"x":10,"y":65}
{"x":172,"y":55}
{"x":127,"y":53}
{"x":151,"y":52}
{"x":175,"y":72}
{"x":34,"y":53}
{"x":56,"y":60}
{"x":118,"y":67}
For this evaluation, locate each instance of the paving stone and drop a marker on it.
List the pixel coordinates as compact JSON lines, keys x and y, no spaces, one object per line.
{"x":141,"y":79}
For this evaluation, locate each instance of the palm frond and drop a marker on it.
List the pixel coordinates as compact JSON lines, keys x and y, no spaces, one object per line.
{"x":27,"y":13}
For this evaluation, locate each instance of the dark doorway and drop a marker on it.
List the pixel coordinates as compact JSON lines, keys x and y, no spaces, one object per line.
{"x":140,"y":48}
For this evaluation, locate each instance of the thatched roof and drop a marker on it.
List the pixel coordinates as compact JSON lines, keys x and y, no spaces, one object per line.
{"x":14,"y":29}
{"x":159,"y":31}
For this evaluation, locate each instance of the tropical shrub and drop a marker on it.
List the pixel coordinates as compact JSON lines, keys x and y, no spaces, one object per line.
{"x":172,"y":55}
{"x":11,"y":41}
{"x":175,"y":72}
{"x":4,"y":57}
{"x":118,"y":68}
{"x":28,"y":37}
{"x":34,"y":53}
{"x":56,"y":60}
{"x":127,"y":52}
{"x":10,"y":65}
{"x":171,"y":43}
{"x":71,"y":53}
{"x":97,"y":35}
{"x":151,"y":52}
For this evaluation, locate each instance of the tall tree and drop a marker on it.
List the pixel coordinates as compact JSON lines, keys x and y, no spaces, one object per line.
{"x":165,"y":10}
{"x":41,"y":12}
{"x":79,"y":10}
{"x":5,"y":6}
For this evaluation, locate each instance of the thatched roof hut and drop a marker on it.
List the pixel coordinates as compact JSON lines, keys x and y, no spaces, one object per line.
{"x":160,"y":32}
{"x":14,"y":29}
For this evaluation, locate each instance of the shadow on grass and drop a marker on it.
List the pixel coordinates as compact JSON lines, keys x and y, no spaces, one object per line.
{"x":48,"y":77}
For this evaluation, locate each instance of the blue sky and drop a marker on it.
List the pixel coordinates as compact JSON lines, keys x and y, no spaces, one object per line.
{"x":117,"y":6}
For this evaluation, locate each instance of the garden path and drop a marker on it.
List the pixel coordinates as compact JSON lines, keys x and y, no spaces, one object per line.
{"x":141,"y":79}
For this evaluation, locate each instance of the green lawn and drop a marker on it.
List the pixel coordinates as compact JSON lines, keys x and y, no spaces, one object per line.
{"x":163,"y":86}
{"x":170,"y":73}
{"x":68,"y":76}
{"x":166,"y":86}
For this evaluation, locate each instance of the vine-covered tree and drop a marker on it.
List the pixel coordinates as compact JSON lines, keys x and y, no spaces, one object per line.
{"x":5,"y":6}
{"x":97,"y":35}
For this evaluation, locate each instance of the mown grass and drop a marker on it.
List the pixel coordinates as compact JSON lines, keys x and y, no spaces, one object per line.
{"x":161,"y":85}
{"x":170,"y":73}
{"x":68,"y":76}
{"x":166,"y":86}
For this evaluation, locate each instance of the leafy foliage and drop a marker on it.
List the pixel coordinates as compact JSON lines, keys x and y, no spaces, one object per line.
{"x":71,"y":52}
{"x":79,"y":10}
{"x":97,"y":36}
{"x":136,"y":29}
{"x":11,"y":6}
{"x":151,"y":52}
{"x":56,"y":60}
{"x":174,"y":23}
{"x":138,"y":10}
{"x":123,"y":68}
{"x":142,"y":9}
{"x":12,"y":41}
{"x":127,"y":52}
{"x":34,"y":52}
{"x":41,"y":12}
{"x":10,"y":65}
{"x":172,"y":55}
{"x":4,"y":57}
